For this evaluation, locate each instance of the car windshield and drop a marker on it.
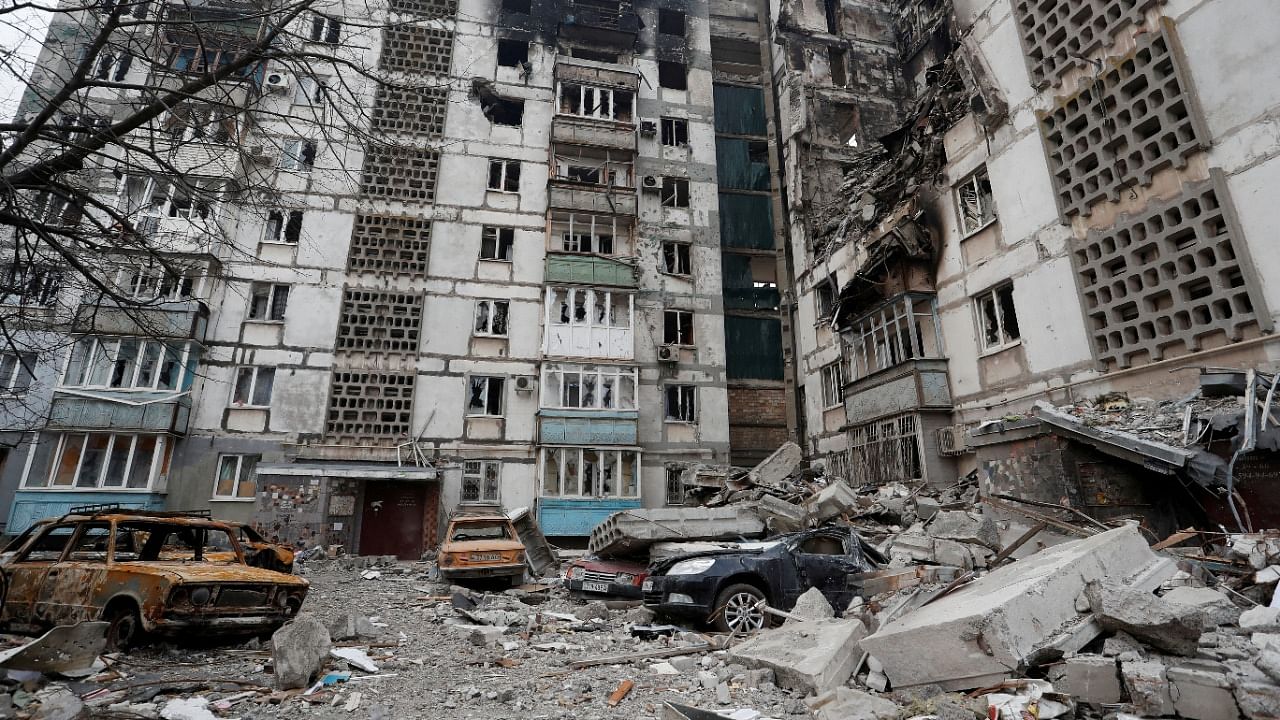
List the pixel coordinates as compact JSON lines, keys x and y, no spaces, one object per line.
{"x":481,"y":531}
{"x":153,"y":541}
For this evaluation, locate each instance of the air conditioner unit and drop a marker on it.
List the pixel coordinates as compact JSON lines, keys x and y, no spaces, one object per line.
{"x":277,"y":81}
{"x":525,"y":383}
{"x":668,"y":353}
{"x":952,"y":440}
{"x":648,"y":127}
{"x":260,"y":153}
{"x":651,"y":182}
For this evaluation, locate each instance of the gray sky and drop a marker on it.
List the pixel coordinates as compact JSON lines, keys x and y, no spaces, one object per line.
{"x":20,"y":31}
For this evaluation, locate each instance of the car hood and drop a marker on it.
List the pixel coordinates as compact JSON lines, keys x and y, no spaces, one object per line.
{"x":183,"y":572}
{"x":660,"y":567}
{"x":459,"y":546}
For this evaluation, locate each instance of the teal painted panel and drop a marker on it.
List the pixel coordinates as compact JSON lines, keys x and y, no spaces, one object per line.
{"x":735,"y":169}
{"x":84,"y":413}
{"x":754,"y":347}
{"x":564,"y":517}
{"x":746,"y":221}
{"x":752,"y":298}
{"x":589,"y":270}
{"x":587,"y":431}
{"x":32,"y":505}
{"x":740,"y":110}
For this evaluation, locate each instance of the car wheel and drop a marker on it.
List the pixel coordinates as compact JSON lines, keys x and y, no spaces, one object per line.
{"x":736,"y":609}
{"x":125,"y":631}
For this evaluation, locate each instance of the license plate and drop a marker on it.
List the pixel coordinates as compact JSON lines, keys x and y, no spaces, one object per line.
{"x":595,"y":587}
{"x":485,"y":557}
{"x":647,"y":586}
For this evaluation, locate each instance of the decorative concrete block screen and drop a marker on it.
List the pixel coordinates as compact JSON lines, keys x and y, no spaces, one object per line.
{"x":418,"y":112}
{"x":1053,"y":31}
{"x":399,"y":173}
{"x":379,"y":321}
{"x":426,"y":8}
{"x":1168,"y":279}
{"x":390,"y":244}
{"x":1143,"y":121}
{"x":417,"y":50}
{"x":369,"y":408}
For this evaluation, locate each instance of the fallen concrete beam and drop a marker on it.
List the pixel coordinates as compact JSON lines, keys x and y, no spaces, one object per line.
{"x":538,"y":553}
{"x":987,"y":629}
{"x":778,"y":466}
{"x":832,"y":501}
{"x":779,"y":515}
{"x":813,"y":656}
{"x":632,"y":531}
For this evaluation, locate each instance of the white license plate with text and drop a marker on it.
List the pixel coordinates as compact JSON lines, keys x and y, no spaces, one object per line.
{"x":595,"y":587}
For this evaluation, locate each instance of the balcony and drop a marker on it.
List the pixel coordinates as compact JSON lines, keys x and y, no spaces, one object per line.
{"x":587,"y":427}
{"x":589,"y":270}
{"x":920,"y":384}
{"x":188,"y":320}
{"x":588,"y":198}
{"x":895,"y":359}
{"x":610,"y":23}
{"x":590,"y":131}
{"x":120,"y":412}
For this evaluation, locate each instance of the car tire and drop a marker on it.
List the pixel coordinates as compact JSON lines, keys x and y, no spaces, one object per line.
{"x":125,"y":631}
{"x":735,"y":609}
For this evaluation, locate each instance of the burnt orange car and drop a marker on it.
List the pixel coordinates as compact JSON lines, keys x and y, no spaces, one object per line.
{"x":481,"y":546}
{"x":143,"y":572}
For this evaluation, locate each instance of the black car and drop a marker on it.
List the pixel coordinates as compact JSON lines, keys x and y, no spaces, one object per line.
{"x":724,"y":587}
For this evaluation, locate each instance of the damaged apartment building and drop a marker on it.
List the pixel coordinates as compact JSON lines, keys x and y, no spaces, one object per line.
{"x":1023,"y":234}
{"x":546,"y":275}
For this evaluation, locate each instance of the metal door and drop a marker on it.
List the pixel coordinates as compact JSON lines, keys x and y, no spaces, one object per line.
{"x":391,"y":521}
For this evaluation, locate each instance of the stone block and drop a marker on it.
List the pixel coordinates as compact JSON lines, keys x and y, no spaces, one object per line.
{"x":965,"y":527}
{"x":812,"y":605}
{"x":1168,"y":627}
{"x":351,"y":625}
{"x":298,"y":651}
{"x":977,"y":634}
{"x":1089,"y":678}
{"x":832,"y":501}
{"x":1148,"y":687}
{"x":1201,"y":691}
{"x":848,"y":704}
{"x":777,"y":467}
{"x":1216,"y":608}
{"x":1260,"y":619}
{"x":810,"y":656}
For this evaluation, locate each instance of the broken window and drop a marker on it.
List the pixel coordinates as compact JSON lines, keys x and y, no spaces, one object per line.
{"x":105,"y":460}
{"x":29,"y":284}
{"x":496,"y":243}
{"x":601,"y":103}
{"x":675,"y":258}
{"x":839,"y":77}
{"x":236,"y":477}
{"x":253,"y":387}
{"x":675,"y":131}
{"x":485,"y":395}
{"x":589,"y":387}
{"x":677,"y":327}
{"x":902,"y":328}
{"x":592,"y":54}
{"x":127,"y":364}
{"x":298,"y":154}
{"x":670,"y":22}
{"x":580,"y":233}
{"x":597,"y":167}
{"x":829,"y":10}
{"x":504,"y":175}
{"x":113,"y":67}
{"x":590,"y":472}
{"x":480,"y":480}
{"x":824,"y":296}
{"x":267,"y":301}
{"x":491,"y":317}
{"x":283,"y":227}
{"x":832,"y":385}
{"x":585,"y":306}
{"x":682,"y":403}
{"x":672,"y":75}
{"x":974,"y":202}
{"x":16,"y":372}
{"x":506,"y":111}
{"x":885,"y":451}
{"x":513,"y":53}
{"x":997,"y":318}
{"x":675,"y":192}
{"x":326,"y":29}
{"x":310,"y":91}
{"x":675,"y":486}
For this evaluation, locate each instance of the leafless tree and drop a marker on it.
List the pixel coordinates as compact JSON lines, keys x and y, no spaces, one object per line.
{"x":152,"y":132}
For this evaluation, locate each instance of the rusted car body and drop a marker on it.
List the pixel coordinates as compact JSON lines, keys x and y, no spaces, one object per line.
{"x":143,"y":572}
{"x":258,"y":551}
{"x":481,"y":546}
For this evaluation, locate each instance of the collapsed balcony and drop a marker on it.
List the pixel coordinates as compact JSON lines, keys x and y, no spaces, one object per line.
{"x":896,"y":360}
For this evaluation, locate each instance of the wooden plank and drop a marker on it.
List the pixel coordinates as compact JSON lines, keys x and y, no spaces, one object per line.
{"x":1179,"y":537}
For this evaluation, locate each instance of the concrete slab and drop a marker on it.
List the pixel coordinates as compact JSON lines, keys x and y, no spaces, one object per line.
{"x":1201,"y":691}
{"x":811,"y":656}
{"x":778,"y":466}
{"x":832,"y":501}
{"x":1163,"y":625}
{"x":848,"y":704}
{"x":1148,"y":687}
{"x":1088,"y":678}
{"x":983,"y":631}
{"x":632,"y":531}
{"x":1216,"y":607}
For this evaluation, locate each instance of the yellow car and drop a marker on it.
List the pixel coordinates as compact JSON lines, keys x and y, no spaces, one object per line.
{"x":481,"y":546}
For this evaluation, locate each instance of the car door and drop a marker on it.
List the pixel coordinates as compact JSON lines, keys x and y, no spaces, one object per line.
{"x":25,"y":575}
{"x":824,"y":562}
{"x":68,"y":593}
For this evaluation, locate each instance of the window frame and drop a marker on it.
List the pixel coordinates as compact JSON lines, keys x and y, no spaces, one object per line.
{"x":618,"y":457}
{"x":289,"y":223}
{"x":325,"y":29}
{"x":274,"y":305}
{"x":685,"y":407}
{"x":491,"y":318}
{"x":678,"y":126}
{"x":488,"y":395}
{"x":159,"y":460}
{"x":45,"y":277}
{"x":674,"y":192}
{"x":681,"y":251}
{"x":18,"y":377}
{"x":831,"y":377}
{"x":483,"y":496}
{"x":973,"y":183}
{"x":179,"y":354}
{"x":992,"y":295}
{"x":606,"y":101}
{"x":680,"y":316}
{"x":257,"y":372}
{"x":510,"y":42}
{"x":500,"y":237}
{"x":292,"y":160}
{"x":613,"y":311}
{"x":505,"y":177}
{"x":675,"y":483}
{"x":238,"y":478}
{"x":622,"y":382}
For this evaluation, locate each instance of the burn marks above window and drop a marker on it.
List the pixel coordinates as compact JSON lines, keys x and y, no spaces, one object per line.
{"x":1135,"y":119}
{"x":1168,"y":281}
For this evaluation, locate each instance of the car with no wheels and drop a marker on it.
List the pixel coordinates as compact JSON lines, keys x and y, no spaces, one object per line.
{"x":478,"y":547}
{"x":144,"y":573}
{"x":725,"y":587}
